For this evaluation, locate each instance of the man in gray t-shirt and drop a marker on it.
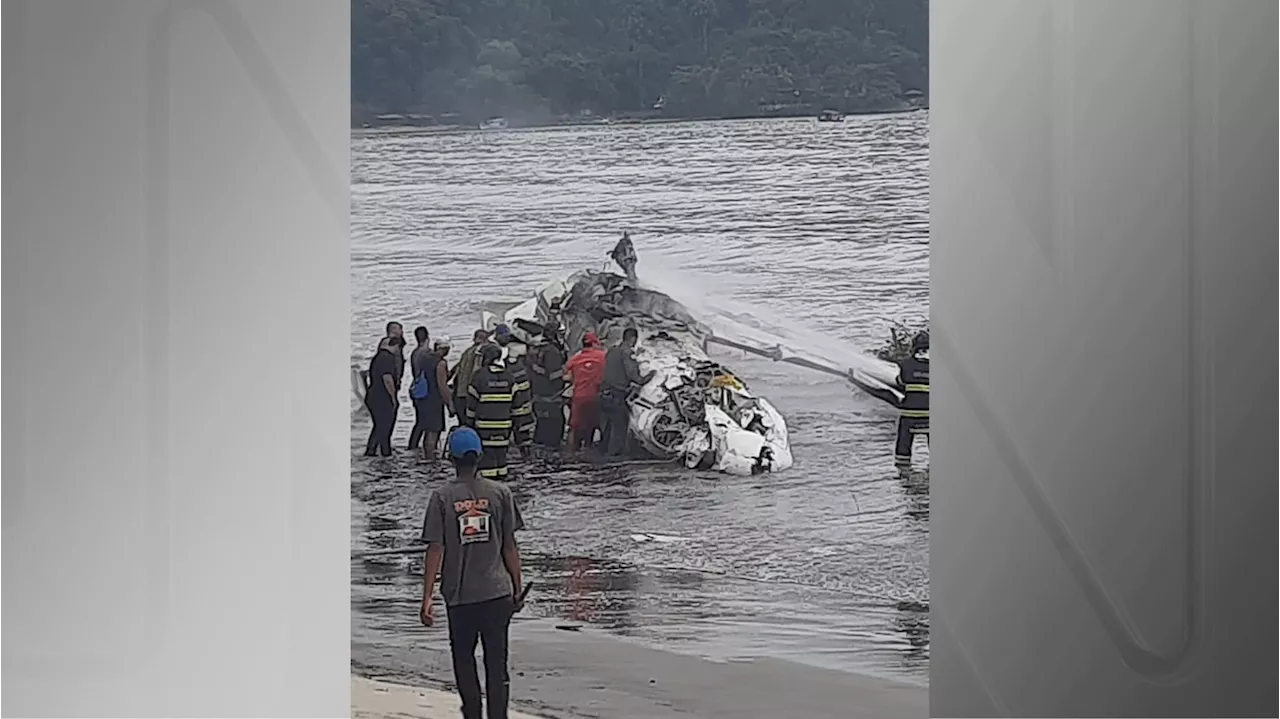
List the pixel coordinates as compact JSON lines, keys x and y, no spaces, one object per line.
{"x":470,"y":530}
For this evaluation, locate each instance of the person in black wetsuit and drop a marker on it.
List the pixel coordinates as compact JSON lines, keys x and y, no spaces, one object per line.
{"x":913,"y":418}
{"x":381,"y":396}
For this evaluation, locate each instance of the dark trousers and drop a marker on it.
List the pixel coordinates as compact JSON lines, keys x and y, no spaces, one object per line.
{"x":487,"y":622}
{"x":493,"y":463}
{"x":428,"y":416}
{"x":549,"y":431}
{"x":908,"y":428}
{"x":384,"y":422}
{"x":391,"y":422}
{"x":419,"y":415}
{"x":614,"y":421}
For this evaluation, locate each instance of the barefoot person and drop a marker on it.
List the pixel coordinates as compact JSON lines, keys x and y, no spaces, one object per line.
{"x":471,"y":527}
{"x":417,"y":359}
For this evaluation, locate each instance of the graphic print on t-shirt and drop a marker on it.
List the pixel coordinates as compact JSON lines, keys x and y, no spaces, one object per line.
{"x":473,"y":520}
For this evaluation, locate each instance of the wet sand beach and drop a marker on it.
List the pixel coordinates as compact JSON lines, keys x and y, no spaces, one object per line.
{"x":562,"y":674}
{"x":373,"y":699}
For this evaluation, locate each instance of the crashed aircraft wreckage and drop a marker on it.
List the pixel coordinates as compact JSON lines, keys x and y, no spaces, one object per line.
{"x":692,"y":409}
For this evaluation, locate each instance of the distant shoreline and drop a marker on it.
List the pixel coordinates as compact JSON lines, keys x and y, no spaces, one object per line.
{"x":454,"y":129}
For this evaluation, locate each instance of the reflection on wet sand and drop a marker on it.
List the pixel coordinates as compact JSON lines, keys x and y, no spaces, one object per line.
{"x":915,"y":489}
{"x":799,"y":612}
{"x":913,"y":622}
{"x":586,"y":590}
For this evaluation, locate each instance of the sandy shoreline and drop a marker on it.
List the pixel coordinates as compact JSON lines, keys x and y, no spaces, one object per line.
{"x":373,"y":699}
{"x":557,"y":674}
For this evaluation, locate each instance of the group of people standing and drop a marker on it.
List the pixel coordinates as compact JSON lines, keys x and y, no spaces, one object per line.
{"x":511,"y":392}
{"x":429,"y":389}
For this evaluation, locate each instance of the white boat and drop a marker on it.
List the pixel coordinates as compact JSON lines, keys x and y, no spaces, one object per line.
{"x":494,"y":123}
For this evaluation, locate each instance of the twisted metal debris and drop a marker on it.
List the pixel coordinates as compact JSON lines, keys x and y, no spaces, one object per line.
{"x":671,"y":413}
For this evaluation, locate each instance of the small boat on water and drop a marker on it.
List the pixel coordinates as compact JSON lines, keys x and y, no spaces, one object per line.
{"x":831,"y":116}
{"x":494,"y":123}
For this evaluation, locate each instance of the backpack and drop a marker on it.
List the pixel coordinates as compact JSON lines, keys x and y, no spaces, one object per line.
{"x":421,"y":387}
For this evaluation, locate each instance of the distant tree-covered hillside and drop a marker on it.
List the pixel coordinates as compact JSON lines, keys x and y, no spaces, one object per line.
{"x":536,"y":60}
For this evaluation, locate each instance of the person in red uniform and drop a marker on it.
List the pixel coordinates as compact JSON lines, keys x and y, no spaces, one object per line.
{"x":586,"y":371}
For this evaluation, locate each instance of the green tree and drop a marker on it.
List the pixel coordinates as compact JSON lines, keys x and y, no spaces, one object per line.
{"x":534,"y":58}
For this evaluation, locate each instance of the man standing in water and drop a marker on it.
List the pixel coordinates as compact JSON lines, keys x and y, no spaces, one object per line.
{"x":913,"y":419}
{"x":585,"y":371}
{"x":621,"y":377}
{"x":470,"y":530}
{"x":521,"y":388}
{"x":431,"y":396}
{"x":547,"y":378}
{"x":462,"y":372}
{"x":381,"y":397}
{"x":416,"y":360}
{"x":522,"y":391}
{"x":490,"y":402}
{"x":395,"y":331}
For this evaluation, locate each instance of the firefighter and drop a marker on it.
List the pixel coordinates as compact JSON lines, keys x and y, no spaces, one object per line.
{"x":490,"y":405}
{"x":913,"y":418}
{"x":514,"y":350}
{"x":522,"y":406}
{"x":546,"y":367}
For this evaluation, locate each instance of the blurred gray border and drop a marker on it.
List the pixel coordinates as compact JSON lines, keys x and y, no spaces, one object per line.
{"x":13,"y":489}
{"x":1087,"y":559}
{"x":177,"y":205}
{"x":153,"y":570}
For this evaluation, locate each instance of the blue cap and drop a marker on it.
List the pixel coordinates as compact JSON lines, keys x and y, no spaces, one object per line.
{"x":463,"y":441}
{"x":502,"y":331}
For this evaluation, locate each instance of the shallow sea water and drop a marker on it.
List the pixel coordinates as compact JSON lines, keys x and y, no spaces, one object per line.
{"x":817,"y":233}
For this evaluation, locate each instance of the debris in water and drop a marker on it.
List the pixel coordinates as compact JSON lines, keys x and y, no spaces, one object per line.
{"x":898,"y":347}
{"x":692,"y":408}
{"x":657,"y":538}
